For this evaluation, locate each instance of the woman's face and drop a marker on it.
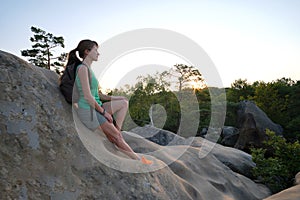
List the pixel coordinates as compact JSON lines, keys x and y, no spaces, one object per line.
{"x":93,"y":54}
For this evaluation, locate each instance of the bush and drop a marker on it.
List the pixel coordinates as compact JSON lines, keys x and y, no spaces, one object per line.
{"x":277,"y":163}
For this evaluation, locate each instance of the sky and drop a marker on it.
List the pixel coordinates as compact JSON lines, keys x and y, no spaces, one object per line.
{"x":257,"y":40}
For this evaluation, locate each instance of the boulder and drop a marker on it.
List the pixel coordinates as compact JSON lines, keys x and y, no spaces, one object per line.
{"x":228,"y":131}
{"x":252,"y":123}
{"x":262,"y":121}
{"x":229,"y":136}
{"x":45,"y":153}
{"x":203,"y":132}
{"x":249,"y":134}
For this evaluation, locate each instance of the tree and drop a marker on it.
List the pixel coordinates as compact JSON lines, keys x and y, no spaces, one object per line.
{"x":273,"y":99}
{"x":240,"y":90}
{"x":41,"y":53}
{"x":148,"y":91}
{"x":186,"y":75}
{"x":154,"y":83}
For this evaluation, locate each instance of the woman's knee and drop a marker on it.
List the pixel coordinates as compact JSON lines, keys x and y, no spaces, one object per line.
{"x":125,"y":103}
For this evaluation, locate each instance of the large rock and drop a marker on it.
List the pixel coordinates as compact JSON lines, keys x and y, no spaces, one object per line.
{"x":43,"y":155}
{"x":229,"y":136}
{"x":252,"y":123}
{"x":249,"y":134}
{"x":262,"y":121}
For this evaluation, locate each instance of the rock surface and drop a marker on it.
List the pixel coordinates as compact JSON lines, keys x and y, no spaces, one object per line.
{"x":229,"y":136}
{"x":238,"y":161}
{"x":44,"y":156}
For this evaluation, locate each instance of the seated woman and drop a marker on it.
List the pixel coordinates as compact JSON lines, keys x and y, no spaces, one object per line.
{"x":91,"y":111}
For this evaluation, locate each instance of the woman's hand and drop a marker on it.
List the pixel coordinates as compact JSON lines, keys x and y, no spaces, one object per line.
{"x":108,"y":117}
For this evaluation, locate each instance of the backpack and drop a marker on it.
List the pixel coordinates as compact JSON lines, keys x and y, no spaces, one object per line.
{"x":67,"y":82}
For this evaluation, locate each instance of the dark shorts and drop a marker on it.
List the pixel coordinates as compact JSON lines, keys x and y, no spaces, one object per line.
{"x":85,"y":117}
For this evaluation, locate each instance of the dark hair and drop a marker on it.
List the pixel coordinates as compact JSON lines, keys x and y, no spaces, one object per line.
{"x":81,"y":47}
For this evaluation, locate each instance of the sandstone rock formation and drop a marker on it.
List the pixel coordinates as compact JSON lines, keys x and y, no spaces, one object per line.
{"x":46,"y":154}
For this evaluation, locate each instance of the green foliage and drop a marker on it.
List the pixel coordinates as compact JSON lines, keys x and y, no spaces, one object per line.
{"x":154,"y":89}
{"x":273,"y":98}
{"x":293,"y":125}
{"x":277,"y":163}
{"x":203,"y":97}
{"x":41,"y":53}
{"x":144,"y":96}
{"x":240,"y":90}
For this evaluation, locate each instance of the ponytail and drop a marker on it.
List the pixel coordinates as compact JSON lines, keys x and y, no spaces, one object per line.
{"x":72,"y":58}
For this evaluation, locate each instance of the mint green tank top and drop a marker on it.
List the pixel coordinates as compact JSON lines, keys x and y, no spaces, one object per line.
{"x":82,"y":103}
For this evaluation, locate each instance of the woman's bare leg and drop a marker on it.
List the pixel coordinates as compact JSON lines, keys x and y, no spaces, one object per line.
{"x":115,"y":136}
{"x":119,"y":109}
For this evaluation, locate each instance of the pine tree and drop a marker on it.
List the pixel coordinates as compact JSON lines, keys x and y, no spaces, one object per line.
{"x":41,"y":53}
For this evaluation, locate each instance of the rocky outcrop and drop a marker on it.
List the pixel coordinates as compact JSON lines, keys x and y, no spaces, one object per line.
{"x":238,"y":161}
{"x":292,"y":193}
{"x":262,"y":121}
{"x":46,"y":154}
{"x":252,"y":123}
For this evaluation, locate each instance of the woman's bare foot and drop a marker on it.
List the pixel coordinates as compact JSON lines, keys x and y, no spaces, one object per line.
{"x":146,"y":161}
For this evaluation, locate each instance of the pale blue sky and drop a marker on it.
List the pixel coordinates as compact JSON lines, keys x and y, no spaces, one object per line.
{"x":254,"y":40}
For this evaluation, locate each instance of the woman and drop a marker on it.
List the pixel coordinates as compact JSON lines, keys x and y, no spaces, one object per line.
{"x":100,"y":116}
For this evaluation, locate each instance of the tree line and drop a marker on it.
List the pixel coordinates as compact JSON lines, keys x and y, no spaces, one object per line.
{"x":278,"y":99}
